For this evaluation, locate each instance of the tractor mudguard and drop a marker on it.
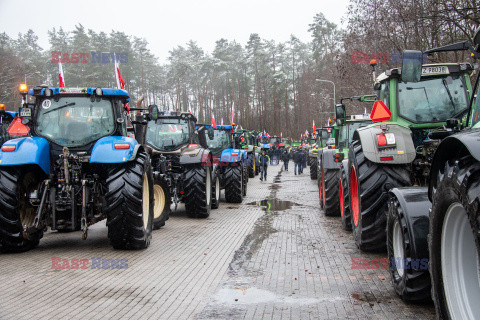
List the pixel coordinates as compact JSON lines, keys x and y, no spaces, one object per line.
{"x":232,"y":155}
{"x":114,"y":149}
{"x":29,"y":150}
{"x":402,"y":152}
{"x":194,"y":156}
{"x":415,"y":207}
{"x":328,"y":162}
{"x":454,"y":147}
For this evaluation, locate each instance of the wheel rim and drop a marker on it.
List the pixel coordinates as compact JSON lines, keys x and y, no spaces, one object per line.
{"x":354,"y":195}
{"x":159,"y":196}
{"x":340,"y":192}
{"x":145,"y":200}
{"x":460,"y":265}
{"x":208,"y":185}
{"x":398,"y":255}
{"x":217,"y":189}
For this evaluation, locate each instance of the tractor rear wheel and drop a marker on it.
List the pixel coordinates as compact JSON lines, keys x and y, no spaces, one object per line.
{"x":251,"y":166}
{"x":198,"y":191}
{"x":234,"y":184}
{"x":369,"y":186}
{"x":411,"y":282}
{"x":454,"y":240}
{"x":344,"y":195}
{"x":130,"y":202}
{"x":15,"y":209}
{"x":163,"y":200}
{"x":313,"y":168}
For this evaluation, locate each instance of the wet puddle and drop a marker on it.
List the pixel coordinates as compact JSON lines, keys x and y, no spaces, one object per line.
{"x":273,"y":204}
{"x":251,"y":295}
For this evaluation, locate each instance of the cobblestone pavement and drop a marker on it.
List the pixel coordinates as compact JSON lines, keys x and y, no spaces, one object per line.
{"x":267,"y":260}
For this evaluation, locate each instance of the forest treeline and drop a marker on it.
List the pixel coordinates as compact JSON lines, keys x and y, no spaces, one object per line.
{"x":271,"y":85}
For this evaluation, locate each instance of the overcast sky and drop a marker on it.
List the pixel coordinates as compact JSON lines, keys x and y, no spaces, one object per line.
{"x":167,"y":24}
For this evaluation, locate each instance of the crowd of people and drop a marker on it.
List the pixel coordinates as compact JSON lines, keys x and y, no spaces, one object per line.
{"x":274,"y":155}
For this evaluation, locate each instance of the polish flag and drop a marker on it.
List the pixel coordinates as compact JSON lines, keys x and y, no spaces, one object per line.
{"x":214,"y":124}
{"x":120,"y":81}
{"x":61,"y":79}
{"x":314,"y":128}
{"x":222,"y":122}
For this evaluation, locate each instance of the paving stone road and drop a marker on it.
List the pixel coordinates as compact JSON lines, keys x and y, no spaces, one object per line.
{"x":275,"y":259}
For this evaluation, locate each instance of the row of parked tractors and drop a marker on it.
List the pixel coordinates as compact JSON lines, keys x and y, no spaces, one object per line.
{"x":87,"y":156}
{"x":406,"y":180}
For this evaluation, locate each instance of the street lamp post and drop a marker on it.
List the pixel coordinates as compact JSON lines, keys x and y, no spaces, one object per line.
{"x":333,"y":83}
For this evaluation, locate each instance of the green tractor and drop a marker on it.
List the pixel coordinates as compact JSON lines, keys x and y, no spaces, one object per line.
{"x":334,"y":160}
{"x":396,"y":150}
{"x":249,"y":142}
{"x":433,"y":229}
{"x":326,"y":140}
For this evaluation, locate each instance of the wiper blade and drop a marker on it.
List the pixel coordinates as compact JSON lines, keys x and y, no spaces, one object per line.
{"x":448,"y":92}
{"x":64,"y":106}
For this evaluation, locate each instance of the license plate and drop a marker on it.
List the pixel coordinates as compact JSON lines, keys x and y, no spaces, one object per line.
{"x":430,"y":71}
{"x":26,"y":112}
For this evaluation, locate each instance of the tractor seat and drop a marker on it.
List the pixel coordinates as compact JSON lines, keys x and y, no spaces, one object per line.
{"x":76,"y":130}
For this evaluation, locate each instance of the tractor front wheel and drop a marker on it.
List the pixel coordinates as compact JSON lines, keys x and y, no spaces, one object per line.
{"x":198,"y":191}
{"x":454,"y":240}
{"x":234,"y":184}
{"x":163,"y":200}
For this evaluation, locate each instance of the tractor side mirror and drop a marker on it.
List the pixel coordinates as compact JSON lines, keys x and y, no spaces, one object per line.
{"x":152,"y":112}
{"x":340,"y":113}
{"x":211,"y":134}
{"x":412,"y":65}
{"x":476,"y":37}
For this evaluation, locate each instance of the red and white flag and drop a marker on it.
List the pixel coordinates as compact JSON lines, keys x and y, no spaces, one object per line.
{"x":281,"y":135}
{"x":118,"y":76}
{"x":214,"y":124}
{"x":61,"y":79}
{"x":314,"y":128}
{"x":222,"y":122}
{"x":231,"y":116}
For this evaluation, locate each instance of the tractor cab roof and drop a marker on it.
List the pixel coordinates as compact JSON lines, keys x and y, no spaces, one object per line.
{"x":429,"y":70}
{"x":44,"y":91}
{"x":176,"y":115}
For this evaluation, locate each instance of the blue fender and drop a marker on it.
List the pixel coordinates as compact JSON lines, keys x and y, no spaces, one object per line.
{"x":232,"y":155}
{"x":28,"y":150}
{"x":104,"y":150}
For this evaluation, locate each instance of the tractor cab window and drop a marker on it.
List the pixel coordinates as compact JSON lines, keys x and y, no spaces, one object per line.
{"x":168,"y":134}
{"x":222,"y":140}
{"x":275,"y":140}
{"x":342,"y":137}
{"x":432,"y":99}
{"x":74,"y":121}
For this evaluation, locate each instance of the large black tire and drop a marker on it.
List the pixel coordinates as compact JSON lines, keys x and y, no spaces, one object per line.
{"x":313,"y":168}
{"x":257,"y":167}
{"x":234,"y":184}
{"x":130,"y":202}
{"x":369,"y":186}
{"x":251,"y":166}
{"x":245,"y":184}
{"x":344,"y":197}
{"x":163,"y":200}
{"x":321,"y":183}
{"x":216,"y":190}
{"x":411,"y":284}
{"x":15,"y":211}
{"x":454,"y":240}
{"x":331,"y":194}
{"x":198,"y":191}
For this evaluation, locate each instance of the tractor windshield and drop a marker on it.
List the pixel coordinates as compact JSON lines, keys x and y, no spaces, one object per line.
{"x":167,"y":134}
{"x":75,"y":121}
{"x":222,"y":140}
{"x":475,"y":121}
{"x":433,"y":99}
{"x":275,"y":140}
{"x":346,"y":131}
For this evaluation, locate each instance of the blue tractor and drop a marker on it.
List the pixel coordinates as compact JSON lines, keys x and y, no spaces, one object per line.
{"x":76,"y":167}
{"x":230,"y":171}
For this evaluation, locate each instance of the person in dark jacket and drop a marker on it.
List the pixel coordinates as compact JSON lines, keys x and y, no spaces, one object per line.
{"x":303,"y":160}
{"x":285,"y":159}
{"x":264,"y":160}
{"x":296,"y":161}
